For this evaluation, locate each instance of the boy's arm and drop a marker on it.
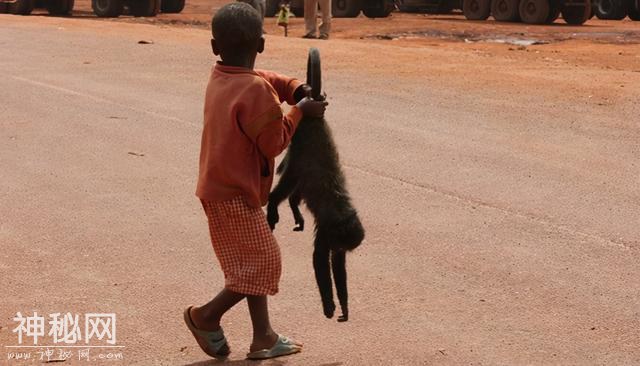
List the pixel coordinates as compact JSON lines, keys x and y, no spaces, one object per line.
{"x":285,"y":86}
{"x":272,"y":131}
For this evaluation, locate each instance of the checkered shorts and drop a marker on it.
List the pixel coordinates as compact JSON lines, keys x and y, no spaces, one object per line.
{"x":247,"y":250}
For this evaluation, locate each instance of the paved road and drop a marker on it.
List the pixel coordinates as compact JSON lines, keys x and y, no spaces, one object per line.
{"x":500,"y":197}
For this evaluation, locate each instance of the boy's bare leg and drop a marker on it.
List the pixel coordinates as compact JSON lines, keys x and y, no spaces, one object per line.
{"x":263,"y":335}
{"x":207,"y":317}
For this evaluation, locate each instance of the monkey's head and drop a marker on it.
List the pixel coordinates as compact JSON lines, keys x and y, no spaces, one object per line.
{"x":345,"y":233}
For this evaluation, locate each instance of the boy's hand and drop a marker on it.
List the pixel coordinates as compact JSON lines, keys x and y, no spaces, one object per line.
{"x":312,"y":108}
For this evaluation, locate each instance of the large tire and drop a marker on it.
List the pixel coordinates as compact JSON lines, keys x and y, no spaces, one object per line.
{"x":21,"y":7}
{"x":107,"y":8}
{"x":297,"y":11}
{"x":634,"y":11}
{"x":377,"y":8}
{"x":476,"y":9}
{"x":345,"y":8}
{"x":534,"y":11}
{"x":176,"y":6}
{"x":611,"y":9}
{"x":554,"y":11}
{"x":144,"y":8}
{"x":60,"y":7}
{"x":270,"y":10}
{"x":505,"y":10}
{"x":577,"y":14}
{"x":3,"y":7}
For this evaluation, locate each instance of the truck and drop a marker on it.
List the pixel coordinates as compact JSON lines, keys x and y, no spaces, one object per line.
{"x":617,"y":9}
{"x":339,"y":8}
{"x":102,"y":8}
{"x":529,"y":11}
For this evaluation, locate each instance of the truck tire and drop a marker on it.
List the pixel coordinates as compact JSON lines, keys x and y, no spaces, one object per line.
{"x":107,"y":8}
{"x":21,"y":7}
{"x":345,"y":8}
{"x":476,"y":9}
{"x":505,"y":10}
{"x":59,"y":7}
{"x":554,"y":11}
{"x":270,"y":10}
{"x":577,"y":14}
{"x":144,"y":8}
{"x":174,"y":6}
{"x":299,"y":12}
{"x":3,"y":7}
{"x":611,"y":9}
{"x":634,"y":11}
{"x":534,"y":11}
{"x":377,"y":8}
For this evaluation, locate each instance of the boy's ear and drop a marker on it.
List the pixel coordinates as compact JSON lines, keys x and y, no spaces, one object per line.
{"x":214,"y":47}
{"x":261,"y":45}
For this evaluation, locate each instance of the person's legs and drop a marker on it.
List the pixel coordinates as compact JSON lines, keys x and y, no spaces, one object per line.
{"x":325,"y":27}
{"x":207,"y":317}
{"x":310,"y":17}
{"x":263,"y":335}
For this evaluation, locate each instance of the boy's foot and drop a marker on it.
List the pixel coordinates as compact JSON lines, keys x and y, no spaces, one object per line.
{"x":324,"y":36}
{"x":310,"y":36}
{"x":212,"y":343}
{"x":283,"y":347}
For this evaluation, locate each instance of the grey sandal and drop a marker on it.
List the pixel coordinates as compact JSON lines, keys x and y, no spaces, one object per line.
{"x":284,"y":346}
{"x":212,"y":343}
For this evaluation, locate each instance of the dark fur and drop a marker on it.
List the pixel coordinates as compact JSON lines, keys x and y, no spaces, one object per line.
{"x":311,"y":172}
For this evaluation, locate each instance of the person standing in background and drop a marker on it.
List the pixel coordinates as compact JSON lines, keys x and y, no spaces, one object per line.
{"x":310,"y":18}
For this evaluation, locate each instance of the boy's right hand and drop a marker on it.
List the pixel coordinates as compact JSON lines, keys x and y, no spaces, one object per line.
{"x":312,"y":108}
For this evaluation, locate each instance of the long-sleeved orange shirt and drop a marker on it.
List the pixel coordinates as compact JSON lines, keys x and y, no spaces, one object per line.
{"x":244,"y":130}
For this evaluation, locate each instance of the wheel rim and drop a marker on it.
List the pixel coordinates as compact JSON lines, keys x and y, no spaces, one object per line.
{"x":502,"y":6}
{"x":531,"y":8}
{"x":341,"y":4}
{"x":102,"y":4}
{"x":605,"y":6}
{"x":474,"y":6}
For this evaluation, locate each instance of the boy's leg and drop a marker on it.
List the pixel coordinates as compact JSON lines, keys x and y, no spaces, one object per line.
{"x":207,"y":317}
{"x":263,"y":335}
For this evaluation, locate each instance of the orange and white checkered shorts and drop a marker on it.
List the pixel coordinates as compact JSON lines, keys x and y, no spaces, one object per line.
{"x":247,"y":250}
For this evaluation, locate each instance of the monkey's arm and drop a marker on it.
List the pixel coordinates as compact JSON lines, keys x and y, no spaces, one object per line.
{"x":294,"y":203}
{"x":283,"y":189}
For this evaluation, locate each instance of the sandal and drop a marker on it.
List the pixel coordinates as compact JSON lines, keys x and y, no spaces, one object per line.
{"x":284,"y":346}
{"x":212,"y":343}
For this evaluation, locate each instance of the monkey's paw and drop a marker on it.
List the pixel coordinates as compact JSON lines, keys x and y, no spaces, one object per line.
{"x":272,"y":218}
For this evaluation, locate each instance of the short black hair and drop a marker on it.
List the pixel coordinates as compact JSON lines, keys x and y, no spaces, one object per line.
{"x":236,"y":27}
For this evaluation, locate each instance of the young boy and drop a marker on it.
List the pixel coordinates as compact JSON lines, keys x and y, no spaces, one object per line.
{"x":244,"y":130}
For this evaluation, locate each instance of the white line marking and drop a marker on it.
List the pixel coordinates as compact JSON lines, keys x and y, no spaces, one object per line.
{"x":102,"y":100}
{"x":55,"y":346}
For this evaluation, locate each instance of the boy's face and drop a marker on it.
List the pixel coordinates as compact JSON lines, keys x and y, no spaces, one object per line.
{"x":259,"y":47}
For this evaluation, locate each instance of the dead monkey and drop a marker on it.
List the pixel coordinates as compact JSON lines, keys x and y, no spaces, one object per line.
{"x":311,"y":172}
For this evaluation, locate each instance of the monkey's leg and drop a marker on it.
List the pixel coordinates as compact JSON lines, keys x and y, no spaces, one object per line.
{"x":294,"y":203}
{"x":285,"y":186}
{"x":339,"y":267}
{"x":323,"y":277}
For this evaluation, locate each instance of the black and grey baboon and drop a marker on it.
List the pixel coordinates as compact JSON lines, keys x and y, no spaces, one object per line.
{"x":311,"y":172}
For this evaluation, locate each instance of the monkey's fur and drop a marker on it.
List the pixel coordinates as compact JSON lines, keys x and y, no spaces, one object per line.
{"x":311,"y":172}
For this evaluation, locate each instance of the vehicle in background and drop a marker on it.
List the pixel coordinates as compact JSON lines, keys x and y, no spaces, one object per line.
{"x":528,"y":11}
{"x":102,"y":8}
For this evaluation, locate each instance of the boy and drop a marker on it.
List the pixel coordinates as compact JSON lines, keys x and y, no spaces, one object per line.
{"x":244,"y":130}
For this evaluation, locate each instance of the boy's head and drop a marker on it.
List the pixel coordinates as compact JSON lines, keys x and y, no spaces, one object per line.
{"x":237,"y":34}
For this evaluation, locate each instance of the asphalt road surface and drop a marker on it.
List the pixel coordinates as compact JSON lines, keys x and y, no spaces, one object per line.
{"x":500,"y":195}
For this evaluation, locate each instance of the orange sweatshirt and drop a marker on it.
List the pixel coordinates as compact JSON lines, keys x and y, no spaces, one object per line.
{"x":244,"y":130}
